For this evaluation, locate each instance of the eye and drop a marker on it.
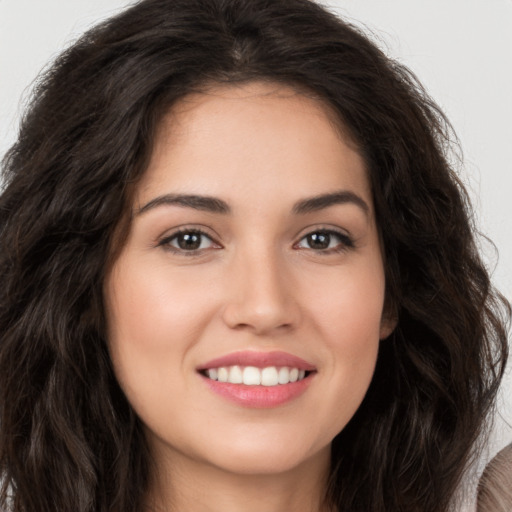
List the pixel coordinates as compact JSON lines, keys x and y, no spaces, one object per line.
{"x":188,"y":241}
{"x":326,"y":241}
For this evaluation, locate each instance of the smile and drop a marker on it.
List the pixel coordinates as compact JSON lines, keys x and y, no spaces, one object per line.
{"x":253,"y":376}
{"x":258,"y":379}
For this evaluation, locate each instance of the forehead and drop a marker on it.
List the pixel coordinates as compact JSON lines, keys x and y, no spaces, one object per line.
{"x":214,"y":98}
{"x":256,"y":136}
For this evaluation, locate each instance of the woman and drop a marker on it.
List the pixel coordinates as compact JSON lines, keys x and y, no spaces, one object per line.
{"x":238,"y":273}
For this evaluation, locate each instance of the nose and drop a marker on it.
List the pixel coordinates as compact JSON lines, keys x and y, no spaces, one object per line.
{"x":260,"y":295}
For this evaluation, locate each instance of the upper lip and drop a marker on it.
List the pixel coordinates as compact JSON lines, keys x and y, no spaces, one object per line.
{"x":259,"y":360}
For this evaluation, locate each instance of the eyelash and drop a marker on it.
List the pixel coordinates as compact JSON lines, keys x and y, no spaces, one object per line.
{"x":345,"y":242}
{"x":167,"y":241}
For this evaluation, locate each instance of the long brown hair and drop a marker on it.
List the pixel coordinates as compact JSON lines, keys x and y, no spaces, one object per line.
{"x":69,"y":440}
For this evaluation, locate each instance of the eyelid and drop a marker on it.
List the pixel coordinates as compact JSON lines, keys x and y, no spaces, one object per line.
{"x":164,"y":240}
{"x":347,"y":241}
{"x":313,"y":228}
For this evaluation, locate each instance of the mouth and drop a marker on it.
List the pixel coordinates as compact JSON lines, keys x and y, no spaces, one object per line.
{"x":258,"y":379}
{"x":253,"y":376}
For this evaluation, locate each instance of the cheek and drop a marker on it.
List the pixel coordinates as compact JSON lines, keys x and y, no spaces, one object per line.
{"x":348,"y":308}
{"x":147,"y":306}
{"x":153,"y":318}
{"x":348,"y":320}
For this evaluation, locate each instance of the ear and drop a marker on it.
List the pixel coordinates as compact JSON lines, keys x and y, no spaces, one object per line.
{"x":387,"y":325}
{"x":389,"y":318}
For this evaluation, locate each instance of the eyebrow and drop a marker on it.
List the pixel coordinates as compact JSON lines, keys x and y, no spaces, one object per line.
{"x":216,"y":205}
{"x":203,"y":203}
{"x":322,"y":201}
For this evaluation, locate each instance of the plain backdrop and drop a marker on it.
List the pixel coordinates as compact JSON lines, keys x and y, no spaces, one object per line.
{"x":461,"y":50}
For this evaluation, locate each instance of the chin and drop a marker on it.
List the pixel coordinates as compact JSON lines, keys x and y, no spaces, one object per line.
{"x":269,"y":458}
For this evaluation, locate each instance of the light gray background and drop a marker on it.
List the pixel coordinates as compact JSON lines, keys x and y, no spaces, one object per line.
{"x":460,"y":49}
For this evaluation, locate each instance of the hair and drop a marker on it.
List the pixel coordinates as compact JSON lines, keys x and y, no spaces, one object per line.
{"x":69,"y":439}
{"x":495,"y":486}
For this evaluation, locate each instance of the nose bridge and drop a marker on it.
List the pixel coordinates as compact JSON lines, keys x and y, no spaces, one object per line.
{"x":260,"y":297}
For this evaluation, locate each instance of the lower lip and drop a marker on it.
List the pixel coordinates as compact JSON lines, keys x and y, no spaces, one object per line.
{"x":259,"y":396}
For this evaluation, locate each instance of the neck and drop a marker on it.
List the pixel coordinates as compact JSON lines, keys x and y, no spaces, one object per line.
{"x":195,"y":487}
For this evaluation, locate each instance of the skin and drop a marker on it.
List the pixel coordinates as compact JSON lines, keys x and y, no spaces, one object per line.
{"x":255,"y":283}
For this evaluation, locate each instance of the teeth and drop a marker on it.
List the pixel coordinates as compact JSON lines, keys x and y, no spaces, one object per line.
{"x":269,"y":376}
{"x":222,"y":375}
{"x":235,"y":375}
{"x":283,"y":376}
{"x":252,"y":376}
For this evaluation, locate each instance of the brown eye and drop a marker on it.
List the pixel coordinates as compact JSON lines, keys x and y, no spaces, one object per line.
{"x":187,"y":241}
{"x":319,"y":240}
{"x":325,"y":240}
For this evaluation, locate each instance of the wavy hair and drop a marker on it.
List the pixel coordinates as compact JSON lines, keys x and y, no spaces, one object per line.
{"x":69,"y":440}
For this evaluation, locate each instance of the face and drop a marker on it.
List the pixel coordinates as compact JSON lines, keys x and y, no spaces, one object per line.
{"x":245,"y":308}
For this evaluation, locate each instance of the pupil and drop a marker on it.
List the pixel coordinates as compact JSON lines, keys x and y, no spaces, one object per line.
{"x":319,"y":240}
{"x":189,"y":241}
